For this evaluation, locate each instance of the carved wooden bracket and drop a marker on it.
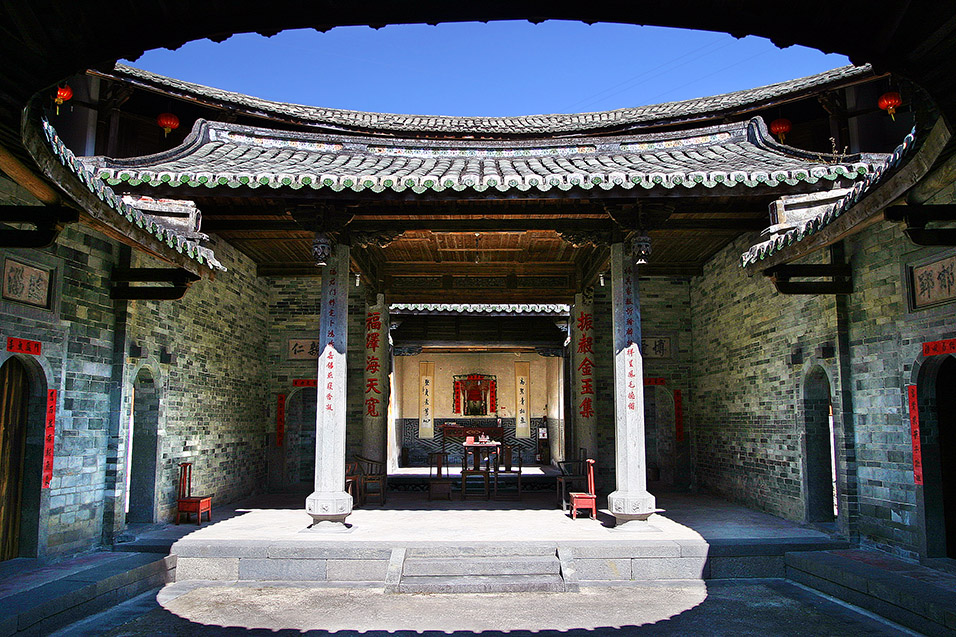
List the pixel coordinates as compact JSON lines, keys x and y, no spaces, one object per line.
{"x":917,"y":216}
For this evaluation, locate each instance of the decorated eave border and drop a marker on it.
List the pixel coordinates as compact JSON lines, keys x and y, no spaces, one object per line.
{"x":478,"y":309}
{"x":187,"y":247}
{"x":381,"y":182}
{"x":764,"y":250}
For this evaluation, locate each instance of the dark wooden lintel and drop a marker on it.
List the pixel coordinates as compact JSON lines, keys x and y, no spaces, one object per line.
{"x":914,"y":215}
{"x":931,"y":236}
{"x":813,"y":287}
{"x":787,"y":271}
{"x":179,"y":281}
{"x":48,"y":221}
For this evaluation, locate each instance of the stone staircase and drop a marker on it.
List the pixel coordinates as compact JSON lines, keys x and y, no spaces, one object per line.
{"x":476,"y":570}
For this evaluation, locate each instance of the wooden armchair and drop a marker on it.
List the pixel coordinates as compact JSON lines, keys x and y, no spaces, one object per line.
{"x":352,"y":480}
{"x":572,"y":476}
{"x":585,"y":500}
{"x":373,"y":481}
{"x":188,"y":503}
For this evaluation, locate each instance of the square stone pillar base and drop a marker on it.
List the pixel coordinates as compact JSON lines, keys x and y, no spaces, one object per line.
{"x":631,"y":506}
{"x":332,"y":506}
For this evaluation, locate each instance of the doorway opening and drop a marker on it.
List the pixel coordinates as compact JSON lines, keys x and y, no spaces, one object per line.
{"x":144,"y":450}
{"x":300,"y":430}
{"x":21,"y":450}
{"x":820,"y":455}
{"x":937,"y":414}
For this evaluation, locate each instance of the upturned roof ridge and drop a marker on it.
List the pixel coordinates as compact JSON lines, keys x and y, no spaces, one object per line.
{"x":531,"y":125}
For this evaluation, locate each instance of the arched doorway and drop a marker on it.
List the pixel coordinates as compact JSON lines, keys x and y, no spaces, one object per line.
{"x":937,"y":402}
{"x":144,"y":448}
{"x":21,"y":450}
{"x":300,"y":429}
{"x":819,"y":456}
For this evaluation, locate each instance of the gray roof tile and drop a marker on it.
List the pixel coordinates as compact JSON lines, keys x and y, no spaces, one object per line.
{"x":741,"y":154}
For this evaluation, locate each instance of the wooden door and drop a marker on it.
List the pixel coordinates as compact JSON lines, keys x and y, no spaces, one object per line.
{"x":14,"y":397}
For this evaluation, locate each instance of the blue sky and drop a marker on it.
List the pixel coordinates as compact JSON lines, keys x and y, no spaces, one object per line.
{"x":499,"y":68}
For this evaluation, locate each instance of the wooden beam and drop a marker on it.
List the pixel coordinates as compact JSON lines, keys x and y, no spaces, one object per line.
{"x":723,"y":225}
{"x":48,"y":221}
{"x":26,"y":178}
{"x":870,"y":209}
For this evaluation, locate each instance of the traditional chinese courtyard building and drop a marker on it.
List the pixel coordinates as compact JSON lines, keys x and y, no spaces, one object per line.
{"x":272,"y":288}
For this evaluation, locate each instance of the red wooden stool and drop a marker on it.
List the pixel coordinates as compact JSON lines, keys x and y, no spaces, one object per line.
{"x":188,"y":503}
{"x":585,"y":500}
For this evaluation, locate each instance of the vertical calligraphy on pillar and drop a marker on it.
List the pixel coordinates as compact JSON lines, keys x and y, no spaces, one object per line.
{"x":49,"y":438}
{"x":332,"y":359}
{"x":914,"y":434}
{"x":373,"y":364}
{"x":522,"y":399}
{"x":583,"y":368}
{"x":426,"y":400}
{"x":280,"y":420}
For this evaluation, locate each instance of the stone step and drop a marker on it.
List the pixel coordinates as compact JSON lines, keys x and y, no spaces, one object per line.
{"x":483,"y":584}
{"x":482,"y":550}
{"x":484,"y":565}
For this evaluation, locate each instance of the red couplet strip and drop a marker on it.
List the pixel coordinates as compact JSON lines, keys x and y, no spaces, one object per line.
{"x":678,"y":416}
{"x":23,"y":346}
{"x":914,"y":433}
{"x":305,"y":382}
{"x":280,"y":420}
{"x":49,"y":438}
{"x":937,"y":348}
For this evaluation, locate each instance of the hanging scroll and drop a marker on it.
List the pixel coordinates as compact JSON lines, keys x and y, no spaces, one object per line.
{"x":522,"y":399}
{"x":426,"y":418}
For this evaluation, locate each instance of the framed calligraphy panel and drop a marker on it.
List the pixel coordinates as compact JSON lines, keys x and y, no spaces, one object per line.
{"x":932,"y":281}
{"x":25,"y":283}
{"x":302,"y":349}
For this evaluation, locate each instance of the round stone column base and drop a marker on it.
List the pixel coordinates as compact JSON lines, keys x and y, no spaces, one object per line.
{"x":332,"y":506}
{"x":631,"y":506}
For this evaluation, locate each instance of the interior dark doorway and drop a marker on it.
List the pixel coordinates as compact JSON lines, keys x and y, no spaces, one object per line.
{"x":819,"y":457}
{"x":14,"y":405}
{"x":144,"y":450}
{"x":300,"y":429}
{"x":946,"y":428}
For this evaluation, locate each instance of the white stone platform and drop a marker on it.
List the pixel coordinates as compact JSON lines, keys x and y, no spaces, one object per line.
{"x":696,"y":537}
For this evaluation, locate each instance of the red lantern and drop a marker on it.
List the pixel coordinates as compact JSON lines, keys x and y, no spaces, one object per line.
{"x":63,"y":94}
{"x":780,"y":127}
{"x":168,"y":122}
{"x":889,"y":102}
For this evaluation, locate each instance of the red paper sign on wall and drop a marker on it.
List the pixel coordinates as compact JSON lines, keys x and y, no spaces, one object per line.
{"x":654,"y":381}
{"x":49,"y":438}
{"x":280,"y":420}
{"x":23,"y":346}
{"x":937,"y":348}
{"x":678,"y":416}
{"x":914,"y":434}
{"x":305,"y":382}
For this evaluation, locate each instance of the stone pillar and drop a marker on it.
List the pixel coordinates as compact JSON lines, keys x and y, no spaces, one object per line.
{"x":582,"y":374}
{"x":376,"y":389}
{"x":330,"y":503}
{"x":631,"y":500}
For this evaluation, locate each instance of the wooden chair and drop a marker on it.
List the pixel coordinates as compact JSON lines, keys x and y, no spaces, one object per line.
{"x":439,"y":484}
{"x":572,"y":476}
{"x":506,"y":475}
{"x":187,"y":502}
{"x":468,"y":471}
{"x":585,"y":500}
{"x":373,"y":480}
{"x":352,"y":480}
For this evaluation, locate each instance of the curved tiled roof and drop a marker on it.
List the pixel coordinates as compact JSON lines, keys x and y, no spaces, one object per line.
{"x":738,"y":155}
{"x":116,"y":205}
{"x":529,"y":125}
{"x":831,"y":212}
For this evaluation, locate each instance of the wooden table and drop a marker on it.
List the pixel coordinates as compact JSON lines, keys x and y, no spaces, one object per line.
{"x":481,"y":452}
